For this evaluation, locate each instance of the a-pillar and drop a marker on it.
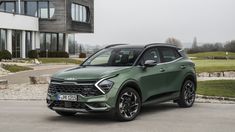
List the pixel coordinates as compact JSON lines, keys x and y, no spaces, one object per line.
{"x":23,"y":45}
{"x":9,"y":41}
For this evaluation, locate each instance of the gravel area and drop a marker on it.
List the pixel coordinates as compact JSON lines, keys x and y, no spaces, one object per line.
{"x":38,"y":92}
{"x":24,"y":92}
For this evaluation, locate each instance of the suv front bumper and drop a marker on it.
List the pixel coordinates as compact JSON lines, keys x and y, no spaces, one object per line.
{"x":84,"y":104}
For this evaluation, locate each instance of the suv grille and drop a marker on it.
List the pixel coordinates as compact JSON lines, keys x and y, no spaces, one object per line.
{"x":84,"y":90}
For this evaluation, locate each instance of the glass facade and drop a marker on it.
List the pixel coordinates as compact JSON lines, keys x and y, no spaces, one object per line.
{"x":42,"y":9}
{"x":80,"y":13}
{"x":3,"y":39}
{"x":52,"y":42}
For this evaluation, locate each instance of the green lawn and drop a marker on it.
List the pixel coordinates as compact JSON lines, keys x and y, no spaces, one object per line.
{"x":214,"y":65}
{"x":15,"y":68}
{"x":203,"y":55}
{"x":224,"y":88}
{"x":59,"y":60}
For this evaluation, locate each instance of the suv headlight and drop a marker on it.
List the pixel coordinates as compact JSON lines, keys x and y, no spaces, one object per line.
{"x":105,"y":85}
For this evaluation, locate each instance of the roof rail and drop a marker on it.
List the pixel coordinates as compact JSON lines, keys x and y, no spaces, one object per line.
{"x":113,"y":45}
{"x":159,"y":44}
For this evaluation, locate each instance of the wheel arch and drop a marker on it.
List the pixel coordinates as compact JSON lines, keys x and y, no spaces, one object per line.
{"x":192,"y":77}
{"x":133,"y":84}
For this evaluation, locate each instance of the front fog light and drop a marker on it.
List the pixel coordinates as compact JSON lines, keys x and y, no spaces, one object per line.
{"x":106,"y":85}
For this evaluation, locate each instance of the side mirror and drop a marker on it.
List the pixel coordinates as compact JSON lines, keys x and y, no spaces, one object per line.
{"x":150,"y":63}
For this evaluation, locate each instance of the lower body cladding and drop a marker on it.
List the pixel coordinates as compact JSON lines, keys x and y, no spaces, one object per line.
{"x":79,"y":103}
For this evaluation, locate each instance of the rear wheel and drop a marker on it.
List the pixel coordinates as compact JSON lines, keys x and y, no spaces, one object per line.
{"x":187,"y":95}
{"x":65,"y":113}
{"x":128,"y":105}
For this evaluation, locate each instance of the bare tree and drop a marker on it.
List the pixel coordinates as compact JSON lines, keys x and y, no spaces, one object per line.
{"x":174,"y":42}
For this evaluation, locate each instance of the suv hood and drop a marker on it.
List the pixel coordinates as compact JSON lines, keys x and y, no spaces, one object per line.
{"x":89,"y":73}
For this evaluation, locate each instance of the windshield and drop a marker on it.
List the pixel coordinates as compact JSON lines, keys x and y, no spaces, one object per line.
{"x":114,"y":57}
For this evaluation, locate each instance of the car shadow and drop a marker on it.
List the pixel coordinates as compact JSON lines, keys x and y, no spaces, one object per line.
{"x":106,"y":118}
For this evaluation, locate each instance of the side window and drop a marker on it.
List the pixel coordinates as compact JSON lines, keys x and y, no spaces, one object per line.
{"x":150,"y":54}
{"x":168,"y":54}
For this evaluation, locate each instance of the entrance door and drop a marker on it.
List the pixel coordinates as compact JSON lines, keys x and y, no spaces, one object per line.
{"x":16,"y":41}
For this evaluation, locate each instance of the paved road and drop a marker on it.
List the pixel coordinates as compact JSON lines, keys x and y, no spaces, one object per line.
{"x":33,"y":116}
{"x":23,"y":77}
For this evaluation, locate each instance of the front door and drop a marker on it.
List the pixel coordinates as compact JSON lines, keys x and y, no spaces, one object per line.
{"x":152,"y":79}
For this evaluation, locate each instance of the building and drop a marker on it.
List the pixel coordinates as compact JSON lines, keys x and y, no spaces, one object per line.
{"x":43,"y":24}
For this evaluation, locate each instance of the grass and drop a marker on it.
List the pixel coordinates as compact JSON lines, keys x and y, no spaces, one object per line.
{"x":15,"y":68}
{"x":214,"y":65}
{"x":223,"y":88}
{"x":59,"y":60}
{"x":203,"y":55}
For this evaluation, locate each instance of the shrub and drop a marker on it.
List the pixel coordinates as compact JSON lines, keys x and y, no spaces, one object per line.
{"x":82,"y":55}
{"x":33,"y":54}
{"x":5,"y":54}
{"x":54,"y":54}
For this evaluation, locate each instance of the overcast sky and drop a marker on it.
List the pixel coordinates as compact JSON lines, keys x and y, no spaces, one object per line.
{"x":147,"y":21}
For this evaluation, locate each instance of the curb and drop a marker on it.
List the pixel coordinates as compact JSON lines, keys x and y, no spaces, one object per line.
{"x":215,"y":98}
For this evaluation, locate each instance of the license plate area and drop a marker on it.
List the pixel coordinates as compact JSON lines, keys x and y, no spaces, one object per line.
{"x":62,"y":97}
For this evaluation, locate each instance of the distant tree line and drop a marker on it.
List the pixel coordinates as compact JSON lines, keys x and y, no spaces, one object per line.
{"x":210,"y":47}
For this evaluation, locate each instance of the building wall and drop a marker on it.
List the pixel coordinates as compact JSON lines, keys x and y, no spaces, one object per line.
{"x":18,"y":22}
{"x":62,"y":20}
{"x":73,"y":26}
{"x":58,"y":22}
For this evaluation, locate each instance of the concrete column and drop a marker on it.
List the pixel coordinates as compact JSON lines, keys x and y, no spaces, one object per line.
{"x":23,"y":45}
{"x":66,"y":42}
{"x":37,"y":40}
{"x":33,"y":41}
{"x":9,"y":41}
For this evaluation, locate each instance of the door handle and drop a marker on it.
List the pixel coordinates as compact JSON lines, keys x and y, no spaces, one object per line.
{"x":162,"y":70}
{"x":182,"y":66}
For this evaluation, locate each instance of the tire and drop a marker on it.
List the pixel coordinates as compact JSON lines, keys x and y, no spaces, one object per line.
{"x":128,"y":104}
{"x":65,"y":113}
{"x":187,"y":95}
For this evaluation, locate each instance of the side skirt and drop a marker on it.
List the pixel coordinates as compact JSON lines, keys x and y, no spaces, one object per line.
{"x":162,"y":98}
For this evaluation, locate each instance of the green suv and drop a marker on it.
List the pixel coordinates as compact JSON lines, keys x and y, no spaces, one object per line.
{"x":122,"y":78}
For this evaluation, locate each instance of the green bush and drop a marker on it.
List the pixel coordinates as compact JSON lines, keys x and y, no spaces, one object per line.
{"x":54,"y":54}
{"x":33,"y":54}
{"x":5,"y":54}
{"x":82,"y":55}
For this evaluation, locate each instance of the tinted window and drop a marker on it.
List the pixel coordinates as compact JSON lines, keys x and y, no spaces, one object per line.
{"x":10,"y":7}
{"x":150,"y":54}
{"x":168,"y":54}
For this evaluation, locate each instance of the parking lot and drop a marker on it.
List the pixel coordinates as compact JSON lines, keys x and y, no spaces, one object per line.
{"x":33,"y":116}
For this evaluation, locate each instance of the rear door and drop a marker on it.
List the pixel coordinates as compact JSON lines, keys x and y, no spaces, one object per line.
{"x":171,"y":60}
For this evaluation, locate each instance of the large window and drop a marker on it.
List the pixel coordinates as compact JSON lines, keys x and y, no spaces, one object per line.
{"x":52,"y":42}
{"x":43,"y":9}
{"x":31,"y":9}
{"x":10,"y":7}
{"x":80,"y":13}
{"x":3,"y":39}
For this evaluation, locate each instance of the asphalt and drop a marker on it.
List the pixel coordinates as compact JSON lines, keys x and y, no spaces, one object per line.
{"x":23,"y":77}
{"x":33,"y":116}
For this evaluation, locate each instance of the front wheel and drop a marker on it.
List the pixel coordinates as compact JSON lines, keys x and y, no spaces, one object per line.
{"x":187,"y":95}
{"x":128,"y":105}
